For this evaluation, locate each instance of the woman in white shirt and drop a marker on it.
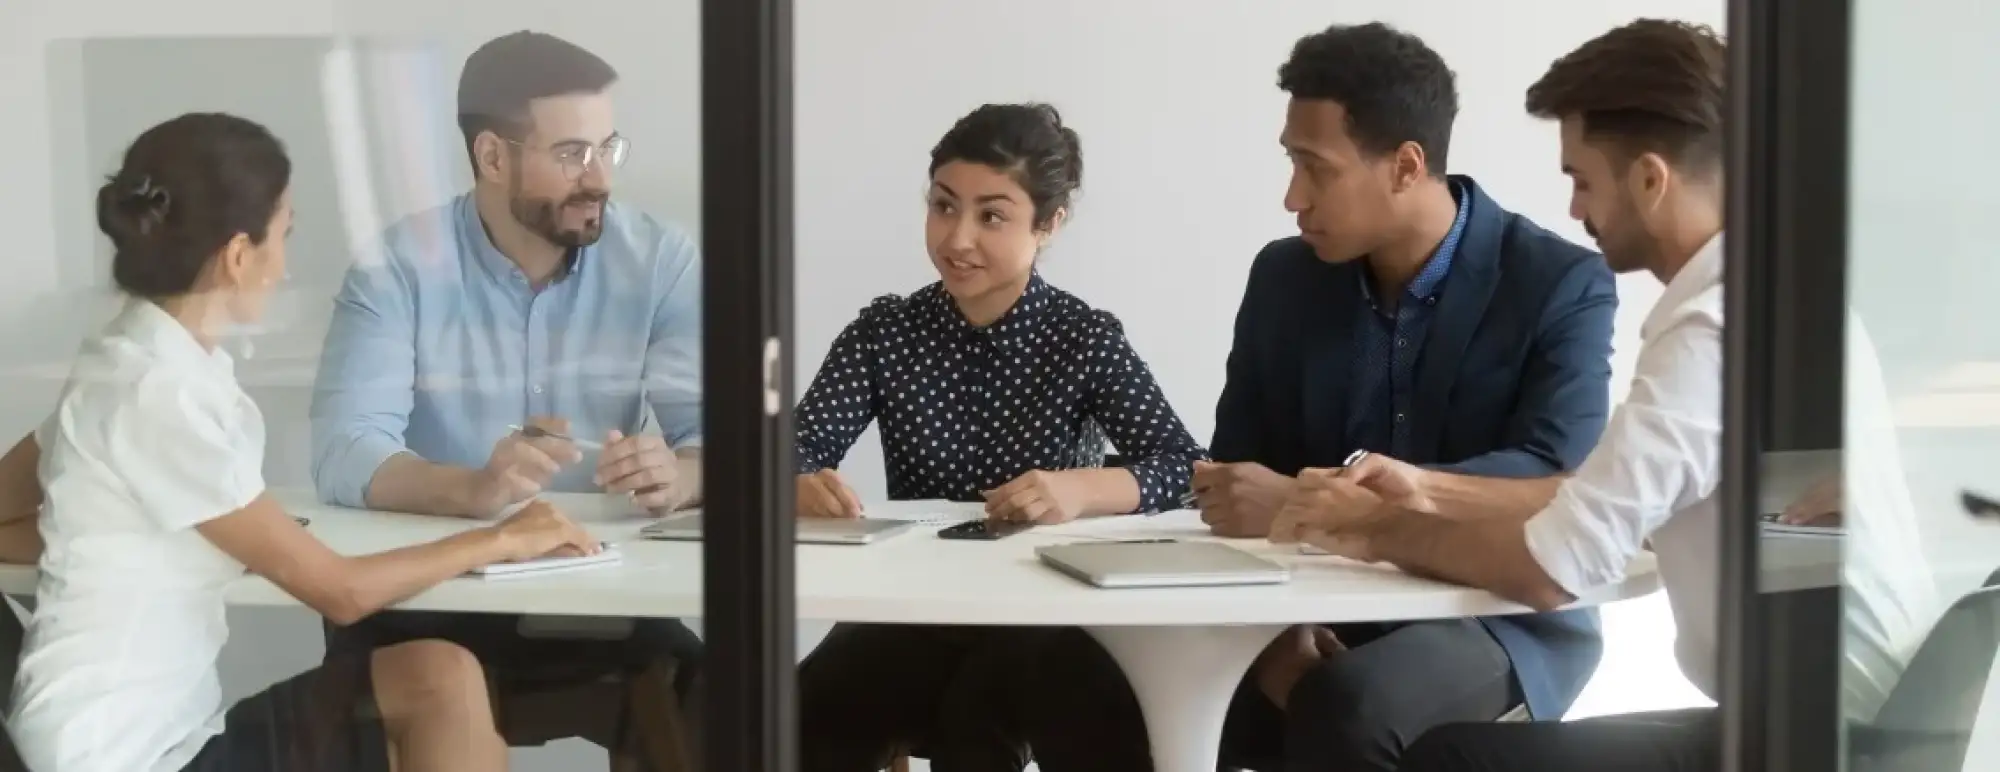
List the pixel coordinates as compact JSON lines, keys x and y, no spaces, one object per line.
{"x":155,"y":503}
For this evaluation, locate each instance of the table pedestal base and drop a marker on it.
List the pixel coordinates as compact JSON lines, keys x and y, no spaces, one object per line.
{"x":1184,"y":678}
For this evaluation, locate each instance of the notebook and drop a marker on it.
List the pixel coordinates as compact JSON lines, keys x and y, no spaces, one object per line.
{"x":608,"y":555}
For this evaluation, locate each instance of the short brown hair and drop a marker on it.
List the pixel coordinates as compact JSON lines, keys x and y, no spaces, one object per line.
{"x":1653,"y":85}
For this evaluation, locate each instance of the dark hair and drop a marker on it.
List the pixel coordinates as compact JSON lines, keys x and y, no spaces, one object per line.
{"x":185,"y":188}
{"x":1652,"y":86}
{"x":508,"y":72}
{"x":1027,"y":141}
{"x":1394,"y":88}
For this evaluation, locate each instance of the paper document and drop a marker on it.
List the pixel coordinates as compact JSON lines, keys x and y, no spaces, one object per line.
{"x":609,"y":555}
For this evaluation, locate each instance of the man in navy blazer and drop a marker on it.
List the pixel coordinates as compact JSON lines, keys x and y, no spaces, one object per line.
{"x":1413,"y":317}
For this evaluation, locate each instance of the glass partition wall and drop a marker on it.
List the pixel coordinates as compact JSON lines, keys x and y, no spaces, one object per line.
{"x":520,"y":218}
{"x":1861,"y":321}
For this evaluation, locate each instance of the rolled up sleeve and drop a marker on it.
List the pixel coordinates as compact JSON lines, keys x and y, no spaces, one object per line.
{"x":364,"y":390}
{"x":673,"y":351}
{"x":1661,"y":453}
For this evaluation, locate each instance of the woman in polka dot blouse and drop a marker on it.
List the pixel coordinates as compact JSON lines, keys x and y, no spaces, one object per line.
{"x":990,"y":385}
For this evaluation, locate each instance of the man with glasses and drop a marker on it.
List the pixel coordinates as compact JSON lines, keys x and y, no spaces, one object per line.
{"x":526,"y":336}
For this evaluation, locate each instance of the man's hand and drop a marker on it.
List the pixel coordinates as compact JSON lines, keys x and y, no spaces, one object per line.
{"x":824,"y":494}
{"x":1288,"y":658}
{"x":1325,"y":504}
{"x":521,"y":465}
{"x":1043,"y":498}
{"x":1239,"y":500}
{"x":1819,"y":505}
{"x":1400,"y":484}
{"x":643,"y":467}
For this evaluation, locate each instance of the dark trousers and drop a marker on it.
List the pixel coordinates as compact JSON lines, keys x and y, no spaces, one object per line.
{"x":506,"y":653}
{"x":518,"y":664}
{"x":1356,"y":711}
{"x":949,"y":693}
{"x":1676,"y":741}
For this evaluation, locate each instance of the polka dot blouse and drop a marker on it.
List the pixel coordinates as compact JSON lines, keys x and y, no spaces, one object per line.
{"x":964,"y":409}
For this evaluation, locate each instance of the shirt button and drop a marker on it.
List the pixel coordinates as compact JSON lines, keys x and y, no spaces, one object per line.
{"x":1399,"y":418}
{"x":1431,"y":301}
{"x":538,"y":389}
{"x":1401,"y":342}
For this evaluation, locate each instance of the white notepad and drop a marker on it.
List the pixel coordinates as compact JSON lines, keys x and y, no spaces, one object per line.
{"x":608,"y":555}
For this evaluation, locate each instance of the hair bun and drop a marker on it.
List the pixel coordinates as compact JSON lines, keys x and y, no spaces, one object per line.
{"x":143,"y":203}
{"x":150,"y":203}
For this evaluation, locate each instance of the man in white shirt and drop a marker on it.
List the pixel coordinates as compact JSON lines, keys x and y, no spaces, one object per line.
{"x":1641,"y":110}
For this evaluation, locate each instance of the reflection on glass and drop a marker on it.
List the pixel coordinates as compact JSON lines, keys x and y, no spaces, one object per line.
{"x":432,"y":288}
{"x":1919,"y":691}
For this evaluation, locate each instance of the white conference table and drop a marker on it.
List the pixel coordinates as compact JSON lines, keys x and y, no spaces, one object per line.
{"x":1183,"y":650}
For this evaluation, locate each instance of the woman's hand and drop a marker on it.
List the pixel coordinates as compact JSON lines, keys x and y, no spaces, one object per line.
{"x":539,"y":530}
{"x":824,"y":494}
{"x":1043,"y":498}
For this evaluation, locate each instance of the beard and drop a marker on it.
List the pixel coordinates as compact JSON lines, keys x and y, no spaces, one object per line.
{"x":543,"y":216}
{"x":1626,"y":248}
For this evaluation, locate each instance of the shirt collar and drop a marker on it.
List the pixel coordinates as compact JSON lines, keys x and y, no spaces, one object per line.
{"x":145,"y":323}
{"x":1424,"y":286}
{"x":495,"y":262}
{"x":1702,"y":272}
{"x":1012,"y":327}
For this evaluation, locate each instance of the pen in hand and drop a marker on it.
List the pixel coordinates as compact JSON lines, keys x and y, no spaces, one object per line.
{"x":538,"y":432}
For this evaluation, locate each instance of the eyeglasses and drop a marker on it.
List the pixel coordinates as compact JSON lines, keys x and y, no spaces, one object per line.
{"x":577,"y":157}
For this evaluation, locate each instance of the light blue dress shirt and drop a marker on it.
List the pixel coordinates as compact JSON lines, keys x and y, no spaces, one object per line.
{"x":440,"y":343}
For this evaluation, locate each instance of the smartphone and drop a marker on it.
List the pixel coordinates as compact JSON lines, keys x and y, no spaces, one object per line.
{"x":984,"y":530}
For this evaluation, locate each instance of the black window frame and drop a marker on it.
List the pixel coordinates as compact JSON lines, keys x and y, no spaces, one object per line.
{"x":746,"y":166}
{"x":1785,"y":303}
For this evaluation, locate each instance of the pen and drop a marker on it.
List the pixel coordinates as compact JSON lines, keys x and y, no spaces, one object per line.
{"x":536,"y":432}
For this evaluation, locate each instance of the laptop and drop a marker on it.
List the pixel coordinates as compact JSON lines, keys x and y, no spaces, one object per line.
{"x":1121,"y":565}
{"x":810,"y":530}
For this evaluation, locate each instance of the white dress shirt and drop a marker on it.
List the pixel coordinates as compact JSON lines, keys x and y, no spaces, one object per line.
{"x":151,"y":437}
{"x":1654,"y":476}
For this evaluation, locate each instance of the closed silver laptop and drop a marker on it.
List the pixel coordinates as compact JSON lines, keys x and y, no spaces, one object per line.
{"x":810,"y":530}
{"x":1120,"y":565}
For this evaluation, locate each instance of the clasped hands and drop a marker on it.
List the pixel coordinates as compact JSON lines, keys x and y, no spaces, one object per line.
{"x":1334,"y":509}
{"x":640,"y":466}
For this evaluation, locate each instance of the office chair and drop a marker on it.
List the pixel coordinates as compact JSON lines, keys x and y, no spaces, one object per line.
{"x":1926,"y":723}
{"x":11,"y":633}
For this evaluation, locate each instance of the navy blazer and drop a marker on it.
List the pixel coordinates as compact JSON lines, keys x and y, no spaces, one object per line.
{"x":1513,"y":381}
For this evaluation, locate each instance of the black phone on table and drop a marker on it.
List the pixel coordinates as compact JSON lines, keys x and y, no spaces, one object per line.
{"x":984,"y":530}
